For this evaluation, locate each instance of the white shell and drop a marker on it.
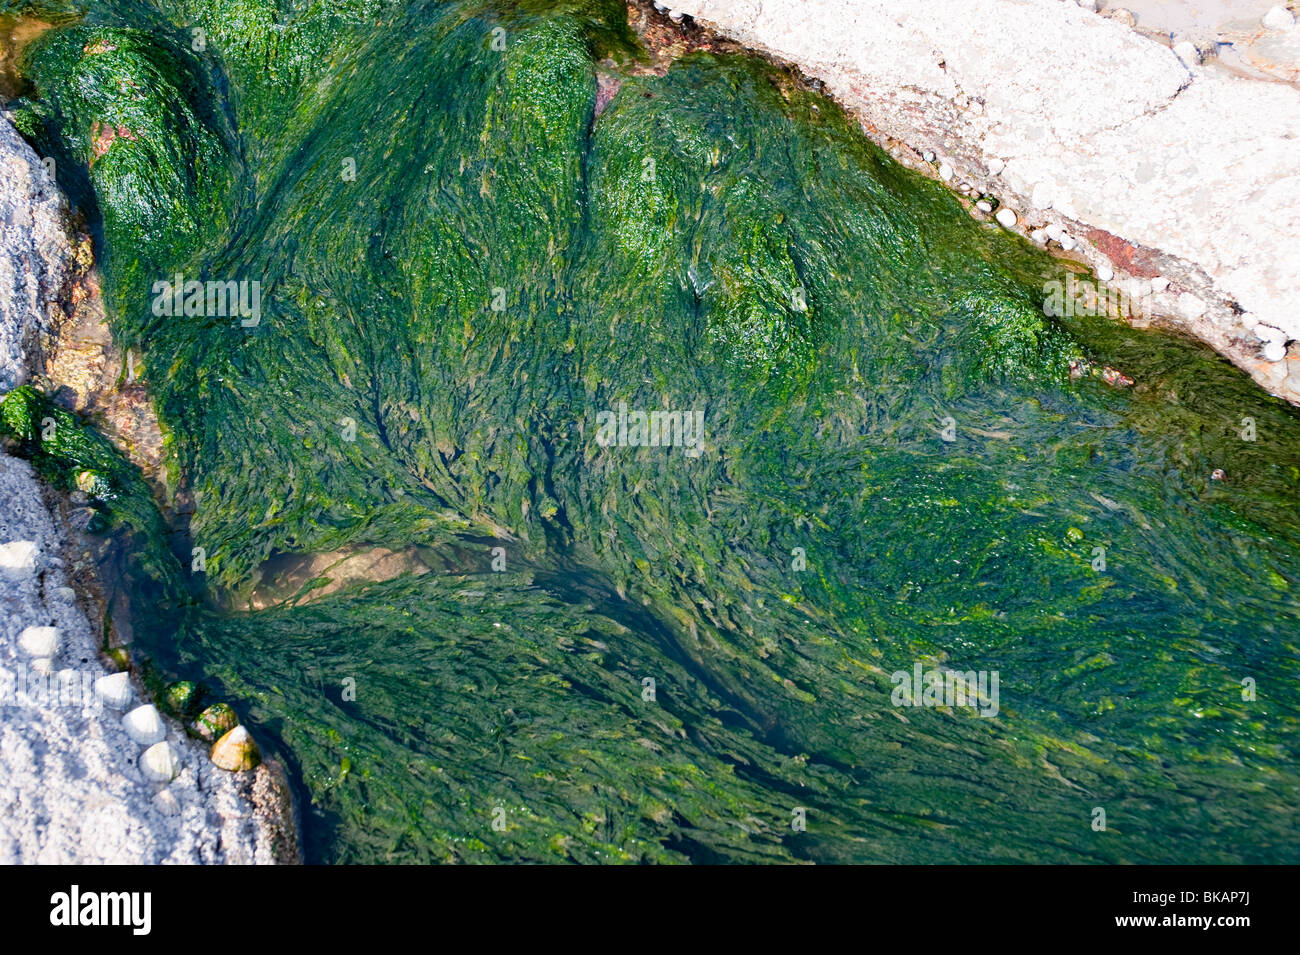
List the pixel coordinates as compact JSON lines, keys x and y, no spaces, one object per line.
{"x":165,"y":802}
{"x":1275,"y":351}
{"x":996,"y":166}
{"x":1105,"y":271}
{"x":40,"y":641}
{"x":160,"y":763}
{"x":1159,"y":284}
{"x":114,"y":690}
{"x":983,"y":206}
{"x":144,"y":725}
{"x":946,"y":172}
{"x":1006,"y":218}
{"x":19,"y":556}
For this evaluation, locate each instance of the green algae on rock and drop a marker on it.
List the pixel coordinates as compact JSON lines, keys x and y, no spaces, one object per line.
{"x":69,"y":454}
{"x":129,"y":107}
{"x":462,"y":265}
{"x":181,"y":699}
{"x":214,"y":722}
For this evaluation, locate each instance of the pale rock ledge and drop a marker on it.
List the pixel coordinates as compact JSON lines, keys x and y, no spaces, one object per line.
{"x":1088,"y":130}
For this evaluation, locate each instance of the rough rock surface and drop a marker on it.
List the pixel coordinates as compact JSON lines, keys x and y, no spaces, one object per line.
{"x":1165,"y":171}
{"x":37,"y":259}
{"x":52,"y":323}
{"x":71,"y":785}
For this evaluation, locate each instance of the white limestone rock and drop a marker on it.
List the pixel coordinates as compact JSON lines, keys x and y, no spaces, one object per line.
{"x":1199,"y":168}
{"x":1188,"y":53}
{"x":36,"y":255}
{"x":40,"y":642}
{"x":1191,"y":306}
{"x":1278,"y":18}
{"x":19,"y":557}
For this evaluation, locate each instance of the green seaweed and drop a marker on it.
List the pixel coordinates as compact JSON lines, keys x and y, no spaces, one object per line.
{"x":70,"y":455}
{"x":463,"y":266}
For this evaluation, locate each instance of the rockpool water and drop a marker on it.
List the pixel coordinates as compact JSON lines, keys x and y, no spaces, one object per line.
{"x":624,"y":652}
